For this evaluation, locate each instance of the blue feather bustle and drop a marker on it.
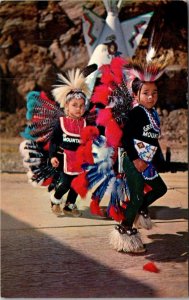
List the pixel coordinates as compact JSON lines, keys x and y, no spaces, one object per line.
{"x":36,"y":160}
{"x":105,"y":178}
{"x":42,"y":116}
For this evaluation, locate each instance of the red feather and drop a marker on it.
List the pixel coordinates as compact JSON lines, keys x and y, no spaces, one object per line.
{"x":80,"y":184}
{"x":151,"y":267}
{"x":95,"y":208}
{"x":101,"y":94}
{"x":46,"y":146}
{"x":117,"y":64}
{"x":84,"y":154}
{"x":80,"y":156}
{"x":107,"y":75}
{"x":104,"y":116}
{"x":47,"y":181}
{"x":125,"y":203}
{"x":44,"y":97}
{"x":89,"y":133}
{"x":116,"y":214}
{"x":88,"y":158}
{"x":113,"y":133}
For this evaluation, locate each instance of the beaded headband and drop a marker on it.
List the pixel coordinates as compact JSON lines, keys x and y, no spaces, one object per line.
{"x":72,"y":86}
{"x":77,"y":94}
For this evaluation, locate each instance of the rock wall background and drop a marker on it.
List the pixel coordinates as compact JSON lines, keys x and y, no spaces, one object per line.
{"x":40,"y":38}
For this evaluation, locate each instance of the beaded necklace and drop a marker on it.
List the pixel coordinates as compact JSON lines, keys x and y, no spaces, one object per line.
{"x":153,"y":118}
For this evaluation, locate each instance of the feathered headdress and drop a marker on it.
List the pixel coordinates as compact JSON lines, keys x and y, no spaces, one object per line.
{"x":150,"y":70}
{"x":152,"y":67}
{"x":72,"y":86}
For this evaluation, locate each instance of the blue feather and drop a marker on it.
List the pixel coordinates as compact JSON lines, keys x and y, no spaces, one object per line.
{"x":29,"y":115}
{"x":32,"y":95}
{"x":101,"y":189}
{"x":115,"y":199}
{"x":93,"y":179}
{"x":26,"y":134}
{"x":99,"y":141}
{"x":32,"y":100}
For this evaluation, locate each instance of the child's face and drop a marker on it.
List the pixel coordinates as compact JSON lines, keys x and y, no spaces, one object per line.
{"x":148,"y":95}
{"x":75,"y":108}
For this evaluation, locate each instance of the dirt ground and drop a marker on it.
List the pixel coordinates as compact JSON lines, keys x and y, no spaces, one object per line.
{"x":45,"y":256}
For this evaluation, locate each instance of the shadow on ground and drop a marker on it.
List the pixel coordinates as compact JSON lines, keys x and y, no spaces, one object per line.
{"x":168,"y":213}
{"x":168,"y":247}
{"x":174,"y":167}
{"x":34,"y":265}
{"x":86,"y":214}
{"x":156,"y":212}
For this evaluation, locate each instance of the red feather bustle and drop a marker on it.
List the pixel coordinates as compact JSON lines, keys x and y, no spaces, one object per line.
{"x":113,"y":133}
{"x":117,"y":64}
{"x":104,"y":116}
{"x":84,"y":151}
{"x":88,"y":153}
{"x":80,"y":156}
{"x":89,"y":133}
{"x":101,"y":94}
{"x":43,"y":96}
{"x":80,"y":184}
{"x":84,"y":155}
{"x":107,"y":76}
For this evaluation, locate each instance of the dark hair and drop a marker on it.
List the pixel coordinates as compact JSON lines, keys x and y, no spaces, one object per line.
{"x":136,"y":85}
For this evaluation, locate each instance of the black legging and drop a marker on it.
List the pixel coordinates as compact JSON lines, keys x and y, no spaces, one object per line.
{"x":66,"y":186}
{"x":139,"y":201}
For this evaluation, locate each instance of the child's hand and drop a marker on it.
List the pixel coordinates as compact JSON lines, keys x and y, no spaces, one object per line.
{"x":55,"y":162}
{"x":140,"y":165}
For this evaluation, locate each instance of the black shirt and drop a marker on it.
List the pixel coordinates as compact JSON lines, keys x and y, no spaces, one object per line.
{"x":142,"y":124}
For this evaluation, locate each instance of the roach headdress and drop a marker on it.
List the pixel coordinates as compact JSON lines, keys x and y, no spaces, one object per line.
{"x":71,"y":86}
{"x":147,"y":71}
{"x":151,"y":67}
